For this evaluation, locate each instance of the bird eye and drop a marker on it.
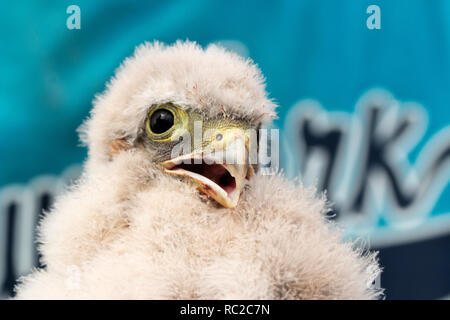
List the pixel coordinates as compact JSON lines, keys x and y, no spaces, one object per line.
{"x":161,"y":121}
{"x":166,"y":122}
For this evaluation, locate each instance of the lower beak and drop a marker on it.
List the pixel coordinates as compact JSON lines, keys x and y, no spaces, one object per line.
{"x":220,"y":173}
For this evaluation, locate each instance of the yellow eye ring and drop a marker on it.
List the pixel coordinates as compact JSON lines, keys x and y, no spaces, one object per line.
{"x":166,"y":122}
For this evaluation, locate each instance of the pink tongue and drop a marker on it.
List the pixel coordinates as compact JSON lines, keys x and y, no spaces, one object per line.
{"x":229,"y":189}
{"x":217,"y":173}
{"x":214,"y":172}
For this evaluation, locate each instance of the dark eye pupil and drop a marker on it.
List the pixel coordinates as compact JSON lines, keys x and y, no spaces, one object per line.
{"x":161,"y":121}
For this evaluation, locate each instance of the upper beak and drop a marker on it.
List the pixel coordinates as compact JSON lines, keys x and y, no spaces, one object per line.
{"x":220,"y":170}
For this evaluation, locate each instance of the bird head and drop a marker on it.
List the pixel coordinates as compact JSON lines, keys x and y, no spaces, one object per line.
{"x":194,"y":112}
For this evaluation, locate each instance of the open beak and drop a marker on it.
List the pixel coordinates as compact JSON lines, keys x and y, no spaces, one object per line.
{"x":220,"y":170}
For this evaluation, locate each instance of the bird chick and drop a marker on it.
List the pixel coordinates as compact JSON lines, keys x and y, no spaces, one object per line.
{"x":158,"y":214}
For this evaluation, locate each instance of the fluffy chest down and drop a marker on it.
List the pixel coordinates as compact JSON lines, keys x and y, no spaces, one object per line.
{"x":167,"y":243}
{"x":175,"y":246}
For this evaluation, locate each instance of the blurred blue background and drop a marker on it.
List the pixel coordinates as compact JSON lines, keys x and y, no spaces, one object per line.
{"x":366,"y":110}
